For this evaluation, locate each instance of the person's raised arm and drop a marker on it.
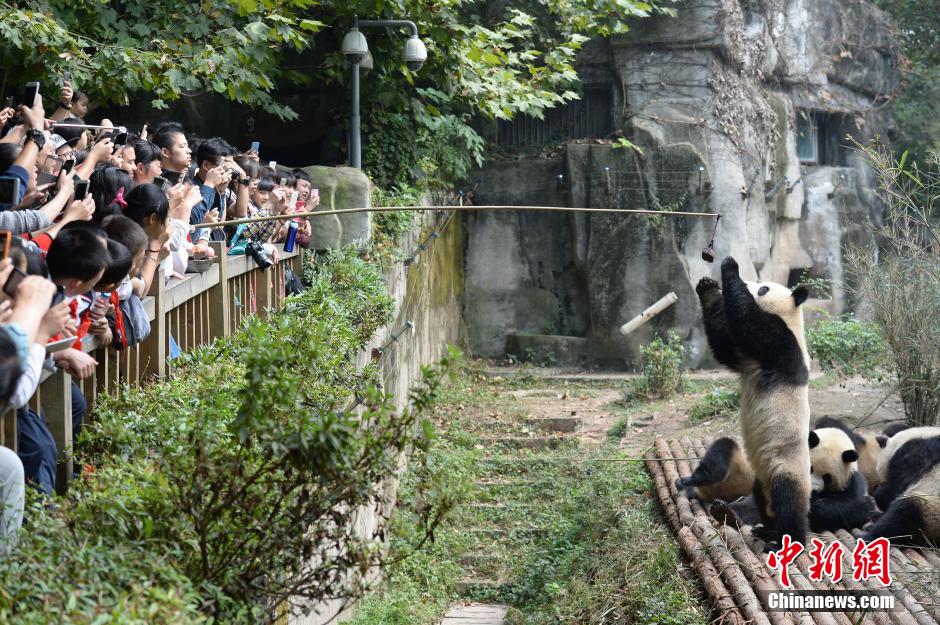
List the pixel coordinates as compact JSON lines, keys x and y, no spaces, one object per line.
{"x":66,"y":185}
{"x":99,"y":153}
{"x":35,"y":120}
{"x":65,"y":102}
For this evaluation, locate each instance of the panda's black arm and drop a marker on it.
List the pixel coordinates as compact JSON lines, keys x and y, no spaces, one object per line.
{"x":716,"y":326}
{"x":846,"y":510}
{"x":758,"y":334}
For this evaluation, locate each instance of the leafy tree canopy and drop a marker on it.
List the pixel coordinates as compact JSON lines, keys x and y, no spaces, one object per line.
{"x":919,"y":26}
{"x":485,"y":57}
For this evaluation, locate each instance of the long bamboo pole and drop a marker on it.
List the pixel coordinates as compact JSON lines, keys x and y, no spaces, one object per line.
{"x":391,"y":209}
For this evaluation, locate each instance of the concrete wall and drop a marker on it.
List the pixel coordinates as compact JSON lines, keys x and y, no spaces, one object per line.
{"x":429,"y":293}
{"x":720,"y":89}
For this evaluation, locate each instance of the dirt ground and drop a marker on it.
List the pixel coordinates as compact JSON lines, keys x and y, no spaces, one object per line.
{"x":597,"y":400}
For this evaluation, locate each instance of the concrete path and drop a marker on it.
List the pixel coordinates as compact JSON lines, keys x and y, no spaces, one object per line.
{"x":476,"y":614}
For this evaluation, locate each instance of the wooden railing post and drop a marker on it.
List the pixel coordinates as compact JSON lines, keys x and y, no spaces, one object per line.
{"x":154,"y":348}
{"x":219,"y":295}
{"x":56,"y":397}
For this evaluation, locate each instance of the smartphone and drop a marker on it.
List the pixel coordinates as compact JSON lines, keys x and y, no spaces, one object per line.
{"x":9,"y":191}
{"x":283,"y":182}
{"x":68,"y":165}
{"x":15,"y":278}
{"x":256,"y":147}
{"x":9,"y":103}
{"x":81,"y":189}
{"x":273,"y":165}
{"x":161,"y":182}
{"x":30,"y":93}
{"x":120,"y":140}
{"x":55,"y":346}
{"x":293,"y":198}
{"x":6,"y":236}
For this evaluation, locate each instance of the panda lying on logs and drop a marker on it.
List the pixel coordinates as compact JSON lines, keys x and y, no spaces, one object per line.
{"x":756,"y":330}
{"x":909,"y":466}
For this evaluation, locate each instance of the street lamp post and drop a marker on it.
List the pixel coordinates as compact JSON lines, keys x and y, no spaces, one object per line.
{"x":356,"y":50}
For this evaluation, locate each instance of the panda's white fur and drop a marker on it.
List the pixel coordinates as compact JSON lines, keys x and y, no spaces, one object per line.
{"x":756,"y":329}
{"x":775,"y":426}
{"x":925,"y":495}
{"x":895,"y":442}
{"x":827,"y":458}
{"x":914,"y":517}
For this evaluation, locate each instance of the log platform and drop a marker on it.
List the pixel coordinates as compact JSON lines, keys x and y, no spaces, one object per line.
{"x":731,"y":562}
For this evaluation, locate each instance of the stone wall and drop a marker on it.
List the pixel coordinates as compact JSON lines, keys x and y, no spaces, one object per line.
{"x":428,"y":293}
{"x":714,"y":97}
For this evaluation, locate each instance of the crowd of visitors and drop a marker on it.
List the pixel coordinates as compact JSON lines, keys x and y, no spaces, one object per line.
{"x":90,"y":217}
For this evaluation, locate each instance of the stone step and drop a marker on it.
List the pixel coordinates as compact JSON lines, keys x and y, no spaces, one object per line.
{"x":476,"y":614}
{"x":527,"y":442}
{"x":476,"y":587}
{"x":565,"y":424}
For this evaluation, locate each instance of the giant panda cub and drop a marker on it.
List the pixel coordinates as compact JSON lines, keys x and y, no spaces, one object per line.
{"x":723,"y":473}
{"x":907,"y":456}
{"x":840,"y":494}
{"x":910,"y":494}
{"x":914,"y":517}
{"x":867,"y":445}
{"x":756,"y":329}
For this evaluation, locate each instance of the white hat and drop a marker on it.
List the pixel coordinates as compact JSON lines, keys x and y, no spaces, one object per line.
{"x":58,"y":141}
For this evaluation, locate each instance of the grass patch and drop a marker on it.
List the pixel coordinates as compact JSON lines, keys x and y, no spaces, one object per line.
{"x":574,"y":538}
{"x":719,"y":402}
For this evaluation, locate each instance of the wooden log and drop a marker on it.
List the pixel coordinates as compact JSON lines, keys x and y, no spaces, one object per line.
{"x":657,"y":307}
{"x":759,"y":576}
{"x":904,"y":598}
{"x":879,"y":618}
{"x":668,"y":465}
{"x":731,"y":573}
{"x":700,"y":561}
{"x":685,"y":470}
{"x":729,"y":612}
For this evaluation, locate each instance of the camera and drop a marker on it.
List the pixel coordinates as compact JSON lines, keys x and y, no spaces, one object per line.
{"x":415,"y":53}
{"x":256,"y":251}
{"x":354,"y":46}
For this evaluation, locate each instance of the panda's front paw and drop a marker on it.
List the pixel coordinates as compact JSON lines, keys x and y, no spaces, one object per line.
{"x":729,"y":265}
{"x":705,"y":285}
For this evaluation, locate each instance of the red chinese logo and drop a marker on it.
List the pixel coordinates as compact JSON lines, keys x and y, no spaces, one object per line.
{"x":872,"y":560}
{"x":780,"y":560}
{"x":826,"y":561}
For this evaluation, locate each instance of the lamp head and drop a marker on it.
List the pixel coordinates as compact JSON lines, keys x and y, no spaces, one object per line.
{"x":355,"y":46}
{"x":414,"y":54}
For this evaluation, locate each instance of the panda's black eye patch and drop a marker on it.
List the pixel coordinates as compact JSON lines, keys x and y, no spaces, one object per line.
{"x":763,"y":290}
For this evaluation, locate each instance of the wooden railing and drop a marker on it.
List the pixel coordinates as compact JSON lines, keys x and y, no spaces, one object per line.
{"x":192,"y":311}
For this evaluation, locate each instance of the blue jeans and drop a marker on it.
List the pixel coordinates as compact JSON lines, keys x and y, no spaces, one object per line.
{"x":36,"y":449}
{"x":35,"y":445}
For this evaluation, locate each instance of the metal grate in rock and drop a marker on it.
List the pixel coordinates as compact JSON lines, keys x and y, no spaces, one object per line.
{"x":731,"y":564}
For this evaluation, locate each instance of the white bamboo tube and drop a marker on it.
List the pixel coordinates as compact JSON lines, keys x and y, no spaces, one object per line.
{"x":665,"y":302}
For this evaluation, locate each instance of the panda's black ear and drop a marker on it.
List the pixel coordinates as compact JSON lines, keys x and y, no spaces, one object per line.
{"x":813,"y":439}
{"x":799,"y":294}
{"x":849,"y":455}
{"x":882,"y":441}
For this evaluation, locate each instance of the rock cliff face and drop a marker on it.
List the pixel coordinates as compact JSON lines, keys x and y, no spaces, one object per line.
{"x":741,"y":107}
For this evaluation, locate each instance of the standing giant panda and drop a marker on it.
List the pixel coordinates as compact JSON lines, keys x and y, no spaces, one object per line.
{"x":724,"y":473}
{"x":756,"y":329}
{"x":840,"y":495}
{"x":867,"y":445}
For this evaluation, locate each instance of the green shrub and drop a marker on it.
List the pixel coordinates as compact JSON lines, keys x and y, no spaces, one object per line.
{"x":846,"y":346}
{"x":719,"y":402}
{"x":663,"y":375}
{"x":229,"y":488}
